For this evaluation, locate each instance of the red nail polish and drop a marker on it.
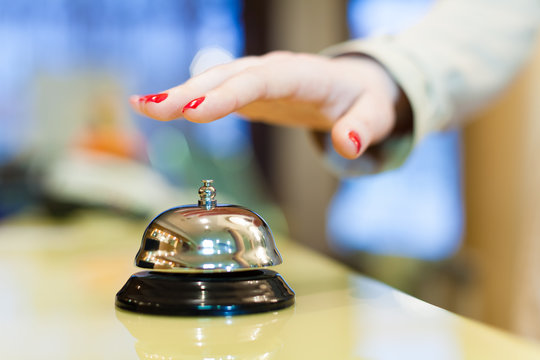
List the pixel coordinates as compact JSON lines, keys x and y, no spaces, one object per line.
{"x":355,"y":138}
{"x":155,"y":98}
{"x":193,"y":103}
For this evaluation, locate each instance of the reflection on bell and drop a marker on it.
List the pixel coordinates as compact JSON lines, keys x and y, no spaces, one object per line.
{"x":206,"y":259}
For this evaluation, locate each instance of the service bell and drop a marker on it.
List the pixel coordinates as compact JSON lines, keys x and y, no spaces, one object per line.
{"x":206,"y":259}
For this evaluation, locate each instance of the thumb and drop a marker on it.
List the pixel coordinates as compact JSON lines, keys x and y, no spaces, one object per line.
{"x":368,"y":121}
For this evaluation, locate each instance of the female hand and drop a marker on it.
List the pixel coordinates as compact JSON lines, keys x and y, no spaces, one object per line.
{"x":353,"y":97}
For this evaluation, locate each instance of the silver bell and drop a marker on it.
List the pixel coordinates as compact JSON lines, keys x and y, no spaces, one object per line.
{"x":207,"y":237}
{"x":206,"y":260}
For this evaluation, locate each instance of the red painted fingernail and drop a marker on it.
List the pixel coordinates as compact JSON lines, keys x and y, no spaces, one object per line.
{"x":193,"y":103}
{"x":355,"y":138}
{"x":155,"y":98}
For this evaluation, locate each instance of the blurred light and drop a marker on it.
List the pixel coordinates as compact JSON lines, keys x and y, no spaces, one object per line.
{"x":415,"y":211}
{"x":207,"y":243}
{"x":380,"y":17}
{"x":225,"y":138}
{"x":209,"y":57}
{"x":414,"y":329}
{"x":256,"y":232}
{"x":168,"y":150}
{"x":260,"y":253}
{"x":207,"y":249}
{"x":238,"y":220}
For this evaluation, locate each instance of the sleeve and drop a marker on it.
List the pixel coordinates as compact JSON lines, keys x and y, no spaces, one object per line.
{"x":449,"y":64}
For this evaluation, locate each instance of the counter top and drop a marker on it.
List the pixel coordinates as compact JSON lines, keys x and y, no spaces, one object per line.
{"x":59,"y":279}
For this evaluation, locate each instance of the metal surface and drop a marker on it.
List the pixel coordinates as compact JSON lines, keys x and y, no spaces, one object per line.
{"x":207,"y":237}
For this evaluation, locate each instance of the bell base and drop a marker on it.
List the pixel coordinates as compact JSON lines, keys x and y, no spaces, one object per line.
{"x":205,"y":294}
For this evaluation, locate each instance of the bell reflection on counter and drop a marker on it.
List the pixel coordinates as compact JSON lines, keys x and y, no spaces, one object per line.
{"x":206,"y":259}
{"x":226,"y":337}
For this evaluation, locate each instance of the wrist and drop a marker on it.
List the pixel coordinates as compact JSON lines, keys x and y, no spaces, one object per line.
{"x":386,"y":86}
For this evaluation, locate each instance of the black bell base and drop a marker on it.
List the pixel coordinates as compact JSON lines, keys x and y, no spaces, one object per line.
{"x":205,"y":294}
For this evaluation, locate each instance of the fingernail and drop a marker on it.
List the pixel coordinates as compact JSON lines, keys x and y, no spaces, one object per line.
{"x":155,"y":98}
{"x":193,"y":103}
{"x":355,"y":139}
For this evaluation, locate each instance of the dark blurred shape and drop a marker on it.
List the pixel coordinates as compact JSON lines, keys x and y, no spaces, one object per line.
{"x":15,"y":191}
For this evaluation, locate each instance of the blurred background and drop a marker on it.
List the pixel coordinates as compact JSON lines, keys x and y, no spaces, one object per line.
{"x":455,"y":226}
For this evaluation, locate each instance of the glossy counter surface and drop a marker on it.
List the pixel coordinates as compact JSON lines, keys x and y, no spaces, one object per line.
{"x":58,"y":283}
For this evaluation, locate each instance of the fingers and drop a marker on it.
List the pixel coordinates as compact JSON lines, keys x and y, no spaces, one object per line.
{"x":298,"y":79}
{"x":257,"y":83}
{"x":230,"y":87}
{"x":169,"y":104}
{"x":368,"y":121}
